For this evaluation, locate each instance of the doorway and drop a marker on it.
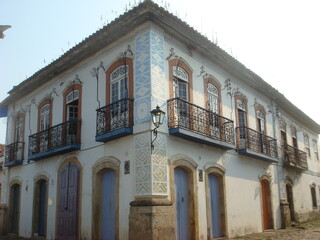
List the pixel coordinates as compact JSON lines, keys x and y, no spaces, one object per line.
{"x":14,"y":212}
{"x":40,"y":208}
{"x":266,"y":205}
{"x":181,"y":194}
{"x":108,"y":208}
{"x":290,"y":200}
{"x":68,"y":202}
{"x":215,"y":206}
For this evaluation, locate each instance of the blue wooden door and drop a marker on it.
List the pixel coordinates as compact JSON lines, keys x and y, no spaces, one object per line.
{"x":42,"y":208}
{"x":215,"y":206}
{"x":108,"y":206}
{"x":181,"y":190}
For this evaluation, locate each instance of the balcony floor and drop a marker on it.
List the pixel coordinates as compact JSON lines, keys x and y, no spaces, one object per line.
{"x":13,"y":163}
{"x":54,"y":152}
{"x":197,"y":137}
{"x":257,"y":155}
{"x":121,"y":132}
{"x":297,"y":167}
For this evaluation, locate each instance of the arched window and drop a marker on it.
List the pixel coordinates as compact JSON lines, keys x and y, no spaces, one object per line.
{"x":180,"y":80}
{"x":294,"y":137}
{"x":283,"y":132}
{"x":241,"y":114}
{"x":44,"y":114}
{"x":180,"y":83}
{"x":313,"y":195}
{"x":19,"y":128}
{"x":72,"y":102}
{"x":44,"y":117}
{"x":261,"y":122}
{"x":119,"y":83}
{"x":307,"y":144}
{"x":212,"y":95}
{"x":213,"y":98}
{"x":315,"y":149}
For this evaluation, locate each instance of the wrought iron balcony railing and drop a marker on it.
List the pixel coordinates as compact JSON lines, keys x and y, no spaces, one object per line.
{"x":14,"y":154}
{"x":55,"y":140}
{"x":294,"y":157}
{"x":115,"y":120}
{"x":249,"y":139}
{"x":188,"y":116}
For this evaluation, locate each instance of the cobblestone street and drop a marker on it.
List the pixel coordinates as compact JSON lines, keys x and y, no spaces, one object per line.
{"x":304,"y":231}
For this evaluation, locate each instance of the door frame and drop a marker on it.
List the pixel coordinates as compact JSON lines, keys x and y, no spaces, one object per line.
{"x":269,"y":203}
{"x":10,"y":215}
{"x":35,"y":211}
{"x":291,"y":203}
{"x":98,"y":169}
{"x":190,"y":166}
{"x":62,"y":164}
{"x":219,"y":172}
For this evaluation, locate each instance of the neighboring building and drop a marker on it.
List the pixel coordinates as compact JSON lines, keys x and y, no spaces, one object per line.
{"x":231,"y":151}
{"x":1,"y":150}
{"x":1,"y":159}
{"x":2,"y":29}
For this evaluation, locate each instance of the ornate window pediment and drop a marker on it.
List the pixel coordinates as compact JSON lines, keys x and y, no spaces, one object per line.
{"x":119,"y":72}
{"x":72,"y":96}
{"x":241,"y":105}
{"x":180,"y":73}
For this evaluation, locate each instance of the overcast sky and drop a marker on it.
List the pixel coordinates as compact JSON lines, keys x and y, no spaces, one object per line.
{"x":278,"y":40}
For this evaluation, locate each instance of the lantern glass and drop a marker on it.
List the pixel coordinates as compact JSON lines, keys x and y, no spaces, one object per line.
{"x":157,"y":116}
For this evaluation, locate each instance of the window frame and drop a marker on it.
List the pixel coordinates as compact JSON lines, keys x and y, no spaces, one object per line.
{"x":182,"y":64}
{"x":73,"y":87}
{"x":114,"y":66}
{"x":283,"y":129}
{"x":245,"y":102}
{"x":19,"y":116}
{"x":261,"y":109}
{"x":306,"y":140}
{"x":294,"y":137}
{"x":217,"y":85}
{"x":313,"y":195}
{"x":43,"y":103}
{"x":315,"y":149}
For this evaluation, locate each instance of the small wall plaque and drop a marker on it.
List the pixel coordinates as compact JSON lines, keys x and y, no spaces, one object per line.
{"x":127,"y":167}
{"x":200,"y":175}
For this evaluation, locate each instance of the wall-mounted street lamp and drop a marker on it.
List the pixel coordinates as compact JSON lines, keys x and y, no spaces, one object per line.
{"x":157,"y":118}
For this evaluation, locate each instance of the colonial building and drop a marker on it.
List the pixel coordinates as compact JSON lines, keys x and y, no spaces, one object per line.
{"x":83,"y":159}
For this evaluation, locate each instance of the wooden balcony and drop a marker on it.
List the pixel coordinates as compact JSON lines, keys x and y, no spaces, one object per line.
{"x":115,"y":120}
{"x":256,"y":144}
{"x":293,"y":157}
{"x":14,"y":154}
{"x":59,"y":139}
{"x":189,"y":121}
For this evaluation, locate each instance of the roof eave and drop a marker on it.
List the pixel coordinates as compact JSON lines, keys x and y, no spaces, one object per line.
{"x":173,"y":26}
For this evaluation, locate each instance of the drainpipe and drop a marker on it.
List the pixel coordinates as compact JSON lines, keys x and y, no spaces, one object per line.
{"x":8,"y":169}
{"x":278,"y":163}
